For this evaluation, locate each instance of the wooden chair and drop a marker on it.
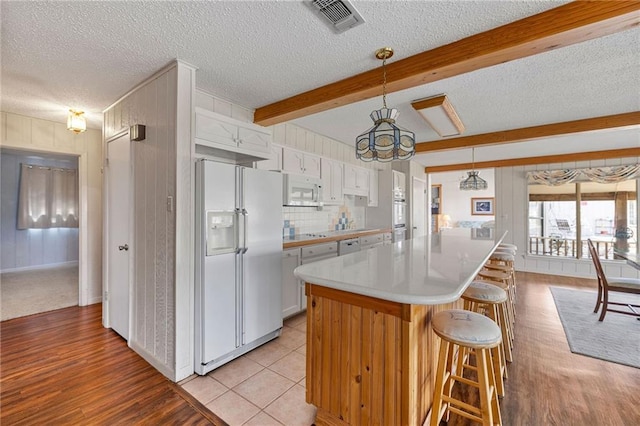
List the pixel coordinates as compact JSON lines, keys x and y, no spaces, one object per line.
{"x":618,"y":285}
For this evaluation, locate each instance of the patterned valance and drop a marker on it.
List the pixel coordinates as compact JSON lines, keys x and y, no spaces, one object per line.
{"x":598,"y":174}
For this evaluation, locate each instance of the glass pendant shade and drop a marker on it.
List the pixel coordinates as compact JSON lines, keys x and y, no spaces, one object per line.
{"x":76,"y":121}
{"x":385,"y":141}
{"x":473,"y":182}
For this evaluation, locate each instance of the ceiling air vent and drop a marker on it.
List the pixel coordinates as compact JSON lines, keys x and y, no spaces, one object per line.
{"x":340,"y":14}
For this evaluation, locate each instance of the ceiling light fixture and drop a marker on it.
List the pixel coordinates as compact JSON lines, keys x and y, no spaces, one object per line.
{"x":473,"y":182}
{"x":440,"y":115}
{"x":76,"y":121}
{"x":385,"y":141}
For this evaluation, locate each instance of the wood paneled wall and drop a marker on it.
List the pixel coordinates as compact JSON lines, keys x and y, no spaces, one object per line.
{"x":43,"y":136}
{"x":162,"y":281}
{"x":511,"y":215}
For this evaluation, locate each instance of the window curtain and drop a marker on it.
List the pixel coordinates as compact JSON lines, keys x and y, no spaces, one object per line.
{"x":598,"y":174}
{"x":47,"y":198}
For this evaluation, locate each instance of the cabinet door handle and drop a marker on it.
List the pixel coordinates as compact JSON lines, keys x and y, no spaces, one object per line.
{"x":124,"y":247}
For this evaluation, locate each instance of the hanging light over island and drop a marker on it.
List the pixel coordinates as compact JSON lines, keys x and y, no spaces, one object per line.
{"x":385,"y":141}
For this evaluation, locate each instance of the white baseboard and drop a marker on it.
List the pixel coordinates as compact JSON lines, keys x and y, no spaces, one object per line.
{"x":46,"y":266}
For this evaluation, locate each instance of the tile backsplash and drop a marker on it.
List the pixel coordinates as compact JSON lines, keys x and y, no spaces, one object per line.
{"x":302,"y":220}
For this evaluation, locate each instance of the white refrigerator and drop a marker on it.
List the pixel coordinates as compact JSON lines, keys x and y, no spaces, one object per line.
{"x":238,"y":302}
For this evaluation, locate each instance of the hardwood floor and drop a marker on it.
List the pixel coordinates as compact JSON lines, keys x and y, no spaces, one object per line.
{"x":549,"y":385}
{"x":63,"y":367}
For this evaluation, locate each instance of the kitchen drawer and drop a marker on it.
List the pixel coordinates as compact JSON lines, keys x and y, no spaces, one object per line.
{"x":320,"y":250}
{"x":371,"y":239}
{"x":370,"y":246}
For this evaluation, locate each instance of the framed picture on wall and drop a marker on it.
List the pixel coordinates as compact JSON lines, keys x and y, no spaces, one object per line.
{"x":482,"y":206}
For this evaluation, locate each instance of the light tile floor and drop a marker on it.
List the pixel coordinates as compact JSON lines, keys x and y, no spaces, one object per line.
{"x":263,"y":387}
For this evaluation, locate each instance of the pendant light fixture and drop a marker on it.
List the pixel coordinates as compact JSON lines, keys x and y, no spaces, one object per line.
{"x":385,"y":141}
{"x":473,"y":182}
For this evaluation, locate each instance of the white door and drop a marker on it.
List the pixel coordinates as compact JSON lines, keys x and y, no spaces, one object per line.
{"x":119,"y":246}
{"x":418,"y":218}
{"x":262,"y":261}
{"x":218,"y":286}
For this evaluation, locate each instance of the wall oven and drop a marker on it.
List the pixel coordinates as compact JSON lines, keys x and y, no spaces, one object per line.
{"x":399,"y":213}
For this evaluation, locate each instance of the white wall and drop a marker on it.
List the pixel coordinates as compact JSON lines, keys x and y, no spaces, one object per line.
{"x":457,"y":203}
{"x":162,"y":252}
{"x":511,"y":216}
{"x":32,"y":134}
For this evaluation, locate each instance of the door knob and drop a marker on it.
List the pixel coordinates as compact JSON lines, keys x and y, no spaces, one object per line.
{"x":124,"y":247}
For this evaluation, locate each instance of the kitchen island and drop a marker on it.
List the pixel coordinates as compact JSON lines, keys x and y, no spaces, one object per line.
{"x":371,"y":353}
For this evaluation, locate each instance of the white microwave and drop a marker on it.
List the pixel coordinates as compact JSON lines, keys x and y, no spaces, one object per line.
{"x":301,"y":191}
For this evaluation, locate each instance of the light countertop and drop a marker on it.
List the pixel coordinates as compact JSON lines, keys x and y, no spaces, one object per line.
{"x":423,"y":271}
{"x":300,"y":240}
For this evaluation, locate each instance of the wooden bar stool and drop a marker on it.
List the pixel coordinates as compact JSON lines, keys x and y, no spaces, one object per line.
{"x":492,"y":300}
{"x":458,"y":328}
{"x":508,"y":246}
{"x":505,"y":281}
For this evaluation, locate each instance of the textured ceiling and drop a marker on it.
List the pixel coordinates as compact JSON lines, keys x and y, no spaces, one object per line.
{"x":57,"y":55}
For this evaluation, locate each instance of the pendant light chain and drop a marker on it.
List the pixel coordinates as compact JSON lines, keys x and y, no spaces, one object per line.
{"x":473,"y":159}
{"x":384,"y":82}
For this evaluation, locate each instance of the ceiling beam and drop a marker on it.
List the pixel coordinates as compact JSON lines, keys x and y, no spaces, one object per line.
{"x":562,"y":26}
{"x":587,"y":125}
{"x":547,"y":159}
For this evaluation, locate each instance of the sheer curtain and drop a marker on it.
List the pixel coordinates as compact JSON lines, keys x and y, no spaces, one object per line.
{"x":48,"y":197}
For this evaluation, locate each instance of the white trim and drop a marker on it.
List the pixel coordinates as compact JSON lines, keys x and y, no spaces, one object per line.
{"x":83,"y":230}
{"x":45,"y":266}
{"x":153,"y":360}
{"x":172,"y":64}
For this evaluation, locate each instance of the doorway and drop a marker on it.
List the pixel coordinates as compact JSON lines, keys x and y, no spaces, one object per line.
{"x":418,"y":200}
{"x":39,"y":266}
{"x":436,"y":207}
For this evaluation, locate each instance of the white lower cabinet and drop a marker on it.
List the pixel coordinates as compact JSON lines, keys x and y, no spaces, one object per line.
{"x":387,"y":238}
{"x":293,"y":298}
{"x":290,"y":284}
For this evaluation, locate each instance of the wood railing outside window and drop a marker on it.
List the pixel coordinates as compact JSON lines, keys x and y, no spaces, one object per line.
{"x":566,"y":247}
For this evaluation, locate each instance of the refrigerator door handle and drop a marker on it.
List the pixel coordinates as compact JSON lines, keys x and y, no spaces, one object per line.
{"x":239,"y":229}
{"x":245,"y":230}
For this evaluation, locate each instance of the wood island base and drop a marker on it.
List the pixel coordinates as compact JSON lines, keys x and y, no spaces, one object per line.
{"x":369,"y":361}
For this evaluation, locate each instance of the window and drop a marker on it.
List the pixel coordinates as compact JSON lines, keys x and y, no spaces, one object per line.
{"x":47,"y":198}
{"x":562,"y":216}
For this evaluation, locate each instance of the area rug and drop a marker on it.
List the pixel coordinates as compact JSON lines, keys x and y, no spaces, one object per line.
{"x":616,"y":339}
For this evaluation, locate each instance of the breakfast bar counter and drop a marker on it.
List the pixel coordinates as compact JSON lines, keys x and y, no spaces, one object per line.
{"x":371,"y":352}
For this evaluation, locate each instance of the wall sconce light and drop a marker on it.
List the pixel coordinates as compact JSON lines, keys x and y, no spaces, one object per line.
{"x":76,"y":122}
{"x":440,"y":115}
{"x":137,"y":132}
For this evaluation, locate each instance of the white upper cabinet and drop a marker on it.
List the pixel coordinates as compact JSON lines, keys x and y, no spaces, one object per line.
{"x":356,"y":180}
{"x":372,"y":200}
{"x":222,"y":132}
{"x":331,"y":174}
{"x":299,"y":162}
{"x":273,"y":163}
